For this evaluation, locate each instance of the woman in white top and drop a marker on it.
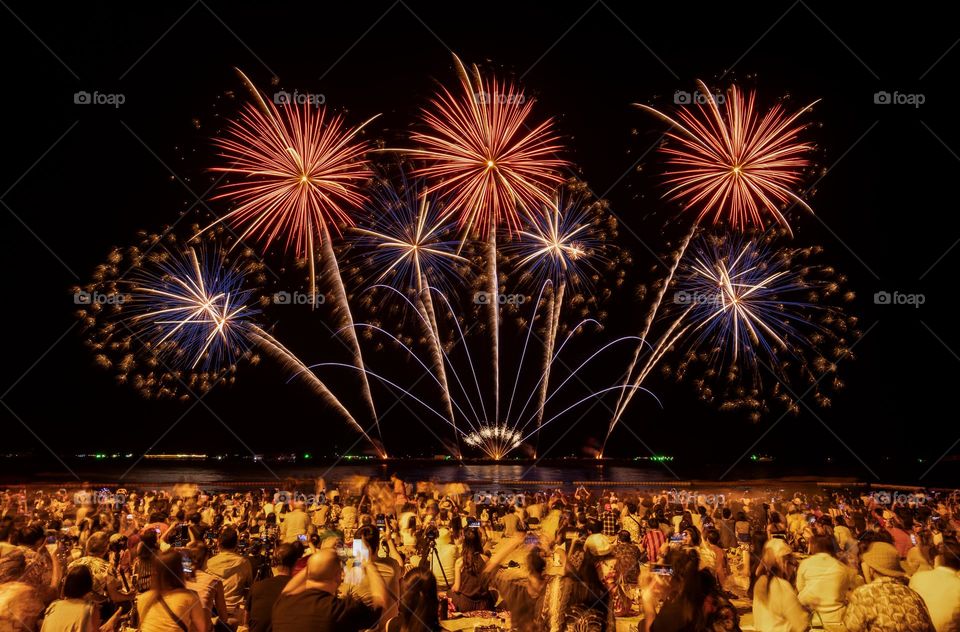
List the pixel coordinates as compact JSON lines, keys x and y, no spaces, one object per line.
{"x":73,"y":613}
{"x":775,"y":604}
{"x":169,"y":606}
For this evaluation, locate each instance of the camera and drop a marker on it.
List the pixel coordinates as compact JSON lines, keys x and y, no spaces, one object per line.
{"x":431,"y":533}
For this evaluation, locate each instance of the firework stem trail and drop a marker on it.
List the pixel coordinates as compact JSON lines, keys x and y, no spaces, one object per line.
{"x":289,"y":360}
{"x":553,"y":326}
{"x":340,"y":296}
{"x":493,"y":299}
{"x":425,"y":303}
{"x":626,"y":396}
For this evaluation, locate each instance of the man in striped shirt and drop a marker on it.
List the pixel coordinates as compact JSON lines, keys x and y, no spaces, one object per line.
{"x":654,"y":540}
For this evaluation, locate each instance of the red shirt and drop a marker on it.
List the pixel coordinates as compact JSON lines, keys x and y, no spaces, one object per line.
{"x":901,"y":540}
{"x":654,"y":541}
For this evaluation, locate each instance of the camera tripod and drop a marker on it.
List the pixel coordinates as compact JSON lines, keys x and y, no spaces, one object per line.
{"x":433,"y":554}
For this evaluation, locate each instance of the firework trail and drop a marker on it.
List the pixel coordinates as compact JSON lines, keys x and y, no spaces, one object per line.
{"x":481,"y":149}
{"x":555,"y":248}
{"x":301,"y":172}
{"x":735,"y":166}
{"x":408,"y":246}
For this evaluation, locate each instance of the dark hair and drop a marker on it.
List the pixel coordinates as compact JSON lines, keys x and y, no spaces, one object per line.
{"x":199,"y":553}
{"x":950,"y":554}
{"x":472,"y":550}
{"x":30,"y":535}
{"x":287,"y":554}
{"x":688,"y":587}
{"x":726,"y":513}
{"x":624,"y":535}
{"x":694,"y":534}
{"x":228,"y":538}
{"x":419,"y":604}
{"x":370,"y":537}
{"x":713,"y":536}
{"x":168,"y":571}
{"x":78,"y":582}
{"x":824,"y":543}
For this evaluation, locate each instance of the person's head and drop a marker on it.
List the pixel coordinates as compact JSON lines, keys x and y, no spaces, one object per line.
{"x":228,"y":539}
{"x":741,"y":517}
{"x":712,"y":536}
{"x":775,"y":561}
{"x":949,"y":554}
{"x":631,"y":509}
{"x":98,"y":544}
{"x":199,"y":553}
{"x":726,"y":513}
{"x":78,"y":582}
{"x":624,"y":536}
{"x":419,"y":604}
{"x":653,"y":523}
{"x":168,"y":571}
{"x":325,"y":570}
{"x":824,"y":543}
{"x":691,"y":536}
{"x":775,"y":517}
{"x":286,"y":555}
{"x":31,"y":536}
{"x":882,"y":559}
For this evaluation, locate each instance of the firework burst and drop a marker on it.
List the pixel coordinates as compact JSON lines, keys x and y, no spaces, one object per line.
{"x":753,"y":311}
{"x":735,"y":166}
{"x":171,"y":317}
{"x":300,"y":173}
{"x":483,"y":149}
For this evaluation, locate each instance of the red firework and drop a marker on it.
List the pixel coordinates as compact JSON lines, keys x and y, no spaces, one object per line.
{"x":483,"y":150}
{"x":735,"y":165}
{"x":301,"y":170}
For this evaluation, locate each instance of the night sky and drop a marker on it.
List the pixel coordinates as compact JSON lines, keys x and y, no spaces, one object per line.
{"x":81,"y":178}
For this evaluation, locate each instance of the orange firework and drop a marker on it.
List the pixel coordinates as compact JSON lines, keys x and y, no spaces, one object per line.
{"x":483,"y":150}
{"x":735,"y":165}
{"x":300,"y":171}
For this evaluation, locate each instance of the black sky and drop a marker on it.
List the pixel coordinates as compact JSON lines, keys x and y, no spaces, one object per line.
{"x":78,"y":179}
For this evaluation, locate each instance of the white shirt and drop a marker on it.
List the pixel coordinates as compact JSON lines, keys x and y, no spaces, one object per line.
{"x":940,"y":589}
{"x":823,"y":583}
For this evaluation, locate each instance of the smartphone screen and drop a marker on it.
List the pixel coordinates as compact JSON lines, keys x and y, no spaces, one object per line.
{"x":662,"y":569}
{"x":359,"y":551}
{"x":531,"y":539}
{"x":187,"y":563}
{"x":302,"y":537}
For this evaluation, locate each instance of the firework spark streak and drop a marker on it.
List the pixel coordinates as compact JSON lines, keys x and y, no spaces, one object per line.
{"x":301,"y":171}
{"x":193,"y":309}
{"x":409,"y":249}
{"x":483,"y":150}
{"x":735,"y":166}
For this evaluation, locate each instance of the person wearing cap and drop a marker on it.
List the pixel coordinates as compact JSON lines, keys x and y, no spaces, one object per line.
{"x":776,"y":607}
{"x":886,"y":603}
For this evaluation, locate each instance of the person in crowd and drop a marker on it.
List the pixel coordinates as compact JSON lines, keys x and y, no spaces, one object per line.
{"x":885,"y":603}
{"x":310,"y":602}
{"x":390,"y":571}
{"x":21,"y":604}
{"x":264,"y":593}
{"x":419,"y":609}
{"x":208,"y":586}
{"x":824,"y":584}
{"x":654,"y":539}
{"x":107,"y":592}
{"x":939,"y":588}
{"x":296,"y":523}
{"x":74,"y":612}
{"x":142,"y":567}
{"x":169,"y":606}
{"x":512,"y":524}
{"x":727,"y":528}
{"x":469,"y":591}
{"x":920,"y":556}
{"x":690,"y":596}
{"x":776,"y":607}
{"x":234,"y":570}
